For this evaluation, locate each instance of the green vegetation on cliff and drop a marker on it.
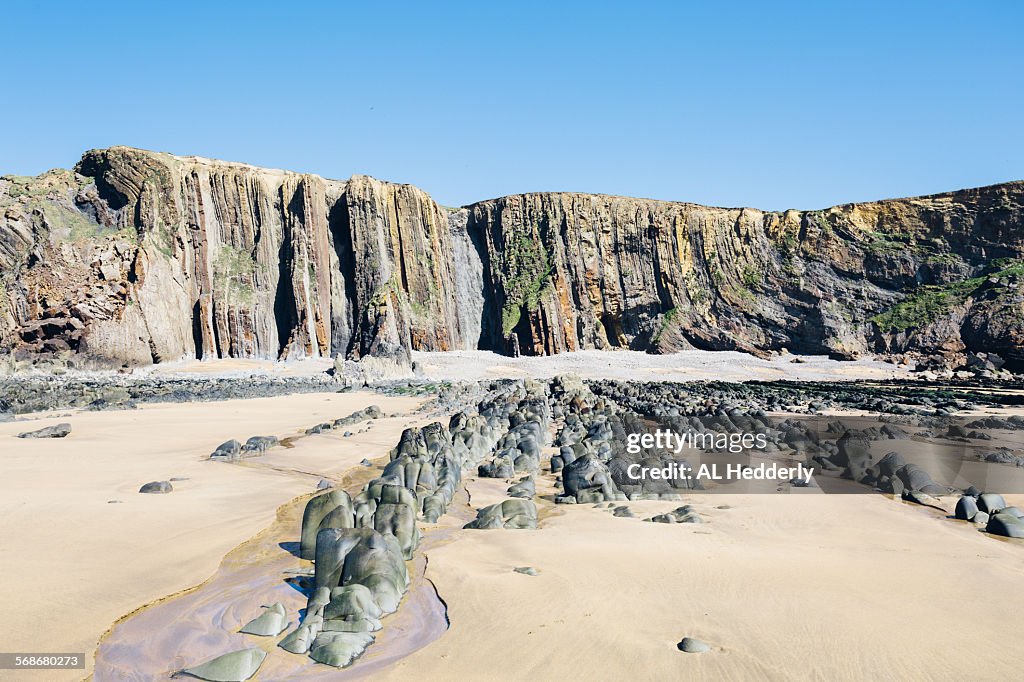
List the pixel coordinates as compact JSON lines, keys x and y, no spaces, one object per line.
{"x":233,"y":269}
{"x":928,"y":303}
{"x":529,"y":272}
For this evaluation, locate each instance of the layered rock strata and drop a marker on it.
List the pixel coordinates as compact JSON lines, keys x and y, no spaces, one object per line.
{"x":138,"y":257}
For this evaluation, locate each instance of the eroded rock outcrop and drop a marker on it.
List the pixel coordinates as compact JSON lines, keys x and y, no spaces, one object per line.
{"x":138,"y":257}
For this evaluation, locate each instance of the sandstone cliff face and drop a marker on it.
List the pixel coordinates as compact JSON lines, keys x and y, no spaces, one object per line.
{"x":588,"y":271}
{"x":138,"y":257}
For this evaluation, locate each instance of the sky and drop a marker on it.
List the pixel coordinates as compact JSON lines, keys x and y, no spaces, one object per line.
{"x":775,"y":105}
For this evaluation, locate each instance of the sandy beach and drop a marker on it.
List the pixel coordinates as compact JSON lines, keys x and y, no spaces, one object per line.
{"x":88,"y":561}
{"x":627,"y":365}
{"x":782,"y":586}
{"x":803,"y":586}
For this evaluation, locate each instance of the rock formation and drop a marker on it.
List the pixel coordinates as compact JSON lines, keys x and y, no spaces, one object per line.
{"x":138,"y":257}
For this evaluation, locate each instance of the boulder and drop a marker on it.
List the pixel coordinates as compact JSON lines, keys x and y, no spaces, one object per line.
{"x":158,"y":487}
{"x":352,"y":609}
{"x":233,"y":667}
{"x":514,"y":513}
{"x":966,"y":508}
{"x":339,"y":649}
{"x":525,"y":489}
{"x":230,"y":450}
{"x":272,"y":622}
{"x":396,"y":515}
{"x":316,"y":510}
{"x":345,"y":556}
{"x":257,"y":445}
{"x":991,"y":502}
{"x":57,"y":431}
{"x":1006,"y":525}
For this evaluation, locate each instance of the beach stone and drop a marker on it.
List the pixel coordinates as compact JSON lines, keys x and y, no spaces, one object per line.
{"x":588,"y":479}
{"x":966,"y":508}
{"x":233,"y":667}
{"x":301,"y":638}
{"x":1006,"y":525}
{"x":319,"y":428}
{"x":890,"y":464}
{"x":396,"y":515}
{"x":525,"y":489}
{"x":352,"y":609}
{"x":434,"y":507}
{"x":324,"y":484}
{"x":854,"y":453}
{"x":260,"y":444}
{"x":272,"y":622}
{"x":991,"y":502}
{"x":691,"y":645}
{"x":57,"y":431}
{"x":156,"y":487}
{"x":981,"y":519}
{"x":366,"y":463}
{"x":914,"y":477}
{"x":227,"y":450}
{"x":514,"y":514}
{"x":526,"y":570}
{"x":313,"y":515}
{"x":345,"y":556}
{"x":339,"y":649}
{"x":500,"y":467}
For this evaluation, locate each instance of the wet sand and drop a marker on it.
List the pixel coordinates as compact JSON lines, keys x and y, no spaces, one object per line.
{"x":75,"y":562}
{"x":187,"y":629}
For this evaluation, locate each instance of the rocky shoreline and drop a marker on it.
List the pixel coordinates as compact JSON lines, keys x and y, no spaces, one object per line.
{"x":570,"y":436}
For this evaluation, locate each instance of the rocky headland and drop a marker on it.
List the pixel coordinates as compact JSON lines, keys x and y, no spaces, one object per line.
{"x":136,"y":257}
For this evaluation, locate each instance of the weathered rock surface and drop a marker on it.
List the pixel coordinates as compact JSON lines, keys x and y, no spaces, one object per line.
{"x":512,"y":513}
{"x":138,"y":257}
{"x":57,"y":431}
{"x":233,"y":667}
{"x":270,"y":623}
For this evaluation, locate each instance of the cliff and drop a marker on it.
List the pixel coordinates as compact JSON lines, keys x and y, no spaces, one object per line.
{"x":138,"y":257}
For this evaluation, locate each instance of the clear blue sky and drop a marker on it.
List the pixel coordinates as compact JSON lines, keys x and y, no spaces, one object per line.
{"x":767,"y":104}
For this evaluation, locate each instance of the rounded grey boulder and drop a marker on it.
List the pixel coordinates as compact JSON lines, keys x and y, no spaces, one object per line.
{"x":991,"y":502}
{"x":1006,"y":525}
{"x":156,"y":487}
{"x":966,"y":508}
